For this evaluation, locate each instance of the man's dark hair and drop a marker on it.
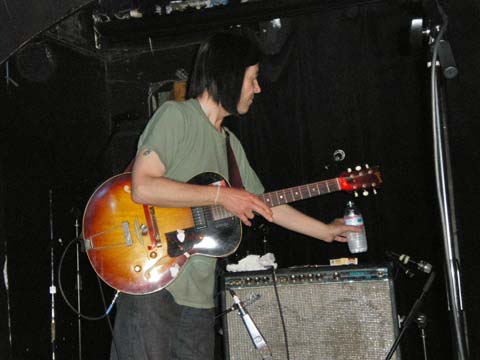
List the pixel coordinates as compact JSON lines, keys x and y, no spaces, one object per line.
{"x":220,"y":67}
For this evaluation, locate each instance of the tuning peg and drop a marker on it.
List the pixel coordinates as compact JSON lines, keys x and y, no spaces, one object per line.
{"x":365,"y":193}
{"x":366,"y":166}
{"x":349,"y":170}
{"x":355,"y":194}
{"x":374,"y":191}
{"x":358,"y":168}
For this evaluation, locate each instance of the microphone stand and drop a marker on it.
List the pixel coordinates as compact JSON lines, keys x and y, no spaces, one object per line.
{"x":52,"y":289}
{"x":79,"y":288}
{"x":421,"y":321}
{"x":411,"y":315}
{"x":441,"y":51}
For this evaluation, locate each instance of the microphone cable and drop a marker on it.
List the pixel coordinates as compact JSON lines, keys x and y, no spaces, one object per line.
{"x":102,"y":295}
{"x":285,"y":336}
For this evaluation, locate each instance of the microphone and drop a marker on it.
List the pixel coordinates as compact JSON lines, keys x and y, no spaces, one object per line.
{"x":250,"y":300}
{"x":405,"y":260}
{"x":255,"y":334}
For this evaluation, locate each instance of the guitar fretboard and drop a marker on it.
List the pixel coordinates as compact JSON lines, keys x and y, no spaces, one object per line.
{"x":297,"y":193}
{"x":284,"y":196}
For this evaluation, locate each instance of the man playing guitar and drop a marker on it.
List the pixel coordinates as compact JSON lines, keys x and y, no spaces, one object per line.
{"x":182,"y":140}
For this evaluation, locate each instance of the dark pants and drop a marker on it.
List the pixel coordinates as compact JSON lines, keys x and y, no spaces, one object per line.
{"x":154,"y":327}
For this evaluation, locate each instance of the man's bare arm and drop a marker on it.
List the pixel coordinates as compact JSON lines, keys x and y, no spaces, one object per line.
{"x":149,"y":186}
{"x":292,"y":219}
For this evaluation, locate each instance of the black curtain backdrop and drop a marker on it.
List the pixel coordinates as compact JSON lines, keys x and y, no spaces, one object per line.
{"x":344,"y":79}
{"x":349,"y":82}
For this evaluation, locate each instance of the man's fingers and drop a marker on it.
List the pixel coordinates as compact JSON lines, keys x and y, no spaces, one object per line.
{"x":349,"y":228}
{"x":264,"y":210}
{"x":245,"y":205}
{"x":245,"y":220}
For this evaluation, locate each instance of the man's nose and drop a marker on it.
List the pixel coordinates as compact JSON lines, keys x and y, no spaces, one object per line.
{"x":257,"y":89}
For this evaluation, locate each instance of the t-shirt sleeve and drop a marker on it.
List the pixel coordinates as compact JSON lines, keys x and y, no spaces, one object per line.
{"x":164,"y":133}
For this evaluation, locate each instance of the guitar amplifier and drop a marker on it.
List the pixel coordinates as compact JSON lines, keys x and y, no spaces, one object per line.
{"x":330,"y":313}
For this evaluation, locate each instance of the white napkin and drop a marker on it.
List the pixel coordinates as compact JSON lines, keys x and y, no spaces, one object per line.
{"x":254,"y":262}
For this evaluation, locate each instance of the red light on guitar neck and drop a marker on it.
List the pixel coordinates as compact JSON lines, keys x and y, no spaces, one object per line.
{"x":347,"y":185}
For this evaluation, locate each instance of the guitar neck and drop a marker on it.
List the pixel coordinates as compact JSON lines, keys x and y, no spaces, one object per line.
{"x":302,"y":192}
{"x":286,"y":196}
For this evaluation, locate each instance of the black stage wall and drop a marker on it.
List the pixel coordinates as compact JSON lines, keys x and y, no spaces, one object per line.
{"x":344,"y":79}
{"x":23,"y":20}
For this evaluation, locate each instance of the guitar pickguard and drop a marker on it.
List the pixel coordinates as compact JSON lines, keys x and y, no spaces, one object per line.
{"x":218,"y":238}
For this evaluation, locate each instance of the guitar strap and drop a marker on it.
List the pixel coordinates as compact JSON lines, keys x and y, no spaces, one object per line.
{"x":235,"y":181}
{"x":233,"y":171}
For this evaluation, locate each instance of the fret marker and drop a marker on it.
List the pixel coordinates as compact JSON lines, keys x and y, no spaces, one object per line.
{"x":281,"y":196}
{"x":268,"y":200}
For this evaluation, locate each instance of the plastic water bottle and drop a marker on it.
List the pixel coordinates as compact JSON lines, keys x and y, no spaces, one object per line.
{"x":357,"y":241}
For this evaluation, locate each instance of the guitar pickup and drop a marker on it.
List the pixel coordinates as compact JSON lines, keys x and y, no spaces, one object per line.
{"x":199,"y":218}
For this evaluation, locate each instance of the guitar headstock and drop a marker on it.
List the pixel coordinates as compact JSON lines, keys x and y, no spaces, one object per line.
{"x":361,"y":179}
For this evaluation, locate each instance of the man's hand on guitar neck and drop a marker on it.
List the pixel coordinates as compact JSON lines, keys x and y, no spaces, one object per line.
{"x":243,"y":204}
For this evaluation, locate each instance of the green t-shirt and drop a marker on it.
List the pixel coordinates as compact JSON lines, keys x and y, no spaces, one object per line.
{"x":188,"y":144}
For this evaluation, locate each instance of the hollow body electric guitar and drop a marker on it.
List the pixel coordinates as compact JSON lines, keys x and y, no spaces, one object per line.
{"x":140,"y":249}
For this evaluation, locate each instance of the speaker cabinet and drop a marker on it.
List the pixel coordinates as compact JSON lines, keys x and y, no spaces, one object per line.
{"x":330,"y":313}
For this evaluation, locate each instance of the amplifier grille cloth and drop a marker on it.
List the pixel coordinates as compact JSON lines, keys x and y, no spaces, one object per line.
{"x":327,"y":321}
